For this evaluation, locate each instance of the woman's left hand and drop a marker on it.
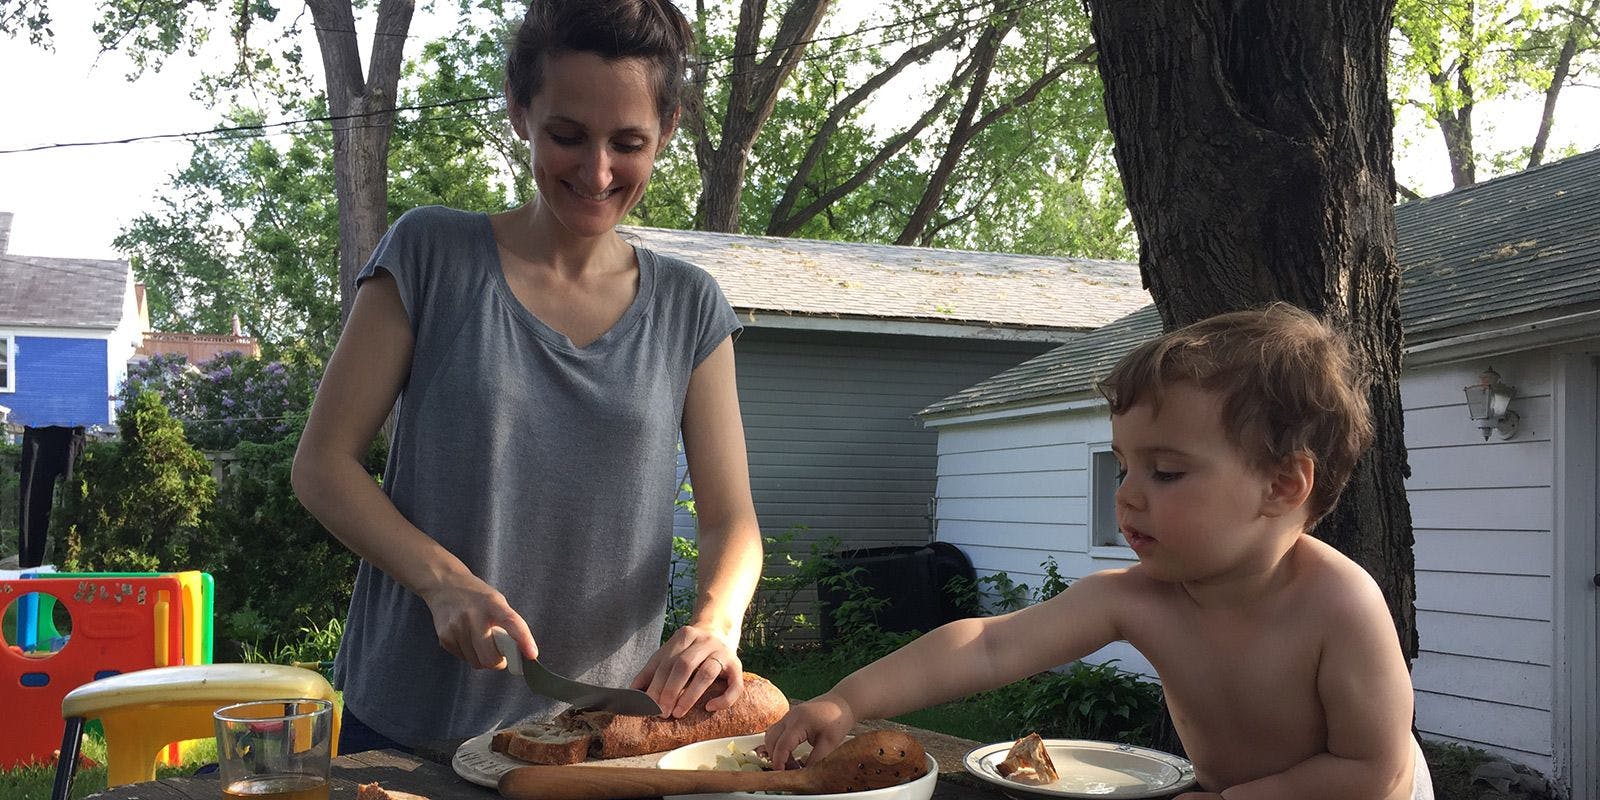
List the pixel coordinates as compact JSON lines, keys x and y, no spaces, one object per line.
{"x":681,"y":671}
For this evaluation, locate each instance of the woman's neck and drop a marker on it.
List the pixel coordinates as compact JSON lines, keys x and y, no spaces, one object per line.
{"x":537,"y":236}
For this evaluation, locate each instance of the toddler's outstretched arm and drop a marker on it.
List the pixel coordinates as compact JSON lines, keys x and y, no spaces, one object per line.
{"x":953,"y":661}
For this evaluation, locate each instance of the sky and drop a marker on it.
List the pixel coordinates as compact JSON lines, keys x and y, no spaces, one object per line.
{"x":71,"y":202}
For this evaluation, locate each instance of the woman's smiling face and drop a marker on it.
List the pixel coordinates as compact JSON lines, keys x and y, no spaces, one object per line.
{"x":593,"y":135}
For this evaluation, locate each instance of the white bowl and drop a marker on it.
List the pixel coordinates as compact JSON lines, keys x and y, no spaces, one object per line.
{"x":704,"y":754}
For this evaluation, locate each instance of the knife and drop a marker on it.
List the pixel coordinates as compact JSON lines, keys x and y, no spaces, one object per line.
{"x":582,"y":696}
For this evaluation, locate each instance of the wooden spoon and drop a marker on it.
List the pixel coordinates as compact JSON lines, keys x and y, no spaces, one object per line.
{"x":873,"y":760}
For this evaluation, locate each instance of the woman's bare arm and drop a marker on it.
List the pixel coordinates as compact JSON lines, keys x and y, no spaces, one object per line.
{"x":362,"y":381}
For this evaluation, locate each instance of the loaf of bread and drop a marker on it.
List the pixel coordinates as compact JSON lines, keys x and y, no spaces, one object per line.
{"x":572,"y":735}
{"x":1028,"y":762}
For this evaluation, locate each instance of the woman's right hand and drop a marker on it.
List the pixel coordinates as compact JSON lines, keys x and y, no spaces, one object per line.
{"x":464,"y":610}
{"x":823,"y":721}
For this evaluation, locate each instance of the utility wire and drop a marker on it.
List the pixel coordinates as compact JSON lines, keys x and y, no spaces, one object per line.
{"x":260,"y":128}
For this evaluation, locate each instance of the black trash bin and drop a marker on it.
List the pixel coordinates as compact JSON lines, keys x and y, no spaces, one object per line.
{"x":911,"y":577}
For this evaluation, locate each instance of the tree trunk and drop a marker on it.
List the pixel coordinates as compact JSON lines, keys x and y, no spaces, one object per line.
{"x":1558,"y":78}
{"x":753,"y":91}
{"x":1255,"y":144}
{"x":1455,"y":125}
{"x":363,"y":112}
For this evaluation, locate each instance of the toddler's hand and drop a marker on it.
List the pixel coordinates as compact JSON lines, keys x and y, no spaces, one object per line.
{"x":823,"y":722}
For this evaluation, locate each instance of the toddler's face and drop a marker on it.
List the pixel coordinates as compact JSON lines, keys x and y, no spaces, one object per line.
{"x":1189,"y":502}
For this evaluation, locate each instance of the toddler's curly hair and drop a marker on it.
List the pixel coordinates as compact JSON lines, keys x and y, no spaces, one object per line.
{"x":1288,"y":383}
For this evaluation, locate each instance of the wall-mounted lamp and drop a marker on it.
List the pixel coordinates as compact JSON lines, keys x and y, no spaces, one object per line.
{"x":1489,"y":403}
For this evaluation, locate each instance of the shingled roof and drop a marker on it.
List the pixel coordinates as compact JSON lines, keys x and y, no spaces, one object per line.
{"x":1517,"y":248}
{"x":1510,"y":247}
{"x":62,"y":292}
{"x":807,"y":277}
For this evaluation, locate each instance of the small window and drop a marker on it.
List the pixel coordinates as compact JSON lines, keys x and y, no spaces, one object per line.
{"x":1103,"y":497}
{"x":8,"y":382}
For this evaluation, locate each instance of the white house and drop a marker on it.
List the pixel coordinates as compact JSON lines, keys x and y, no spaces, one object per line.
{"x":1503,"y":274}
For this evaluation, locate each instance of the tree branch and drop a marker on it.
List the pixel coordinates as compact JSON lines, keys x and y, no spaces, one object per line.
{"x":984,"y":55}
{"x":780,"y":219}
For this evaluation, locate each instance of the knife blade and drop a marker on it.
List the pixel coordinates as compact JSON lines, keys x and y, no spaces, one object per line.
{"x":582,"y":696}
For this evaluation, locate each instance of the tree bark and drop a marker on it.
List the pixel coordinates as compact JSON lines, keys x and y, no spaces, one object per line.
{"x":753,"y":91}
{"x":363,"y":112}
{"x":1254,"y":139}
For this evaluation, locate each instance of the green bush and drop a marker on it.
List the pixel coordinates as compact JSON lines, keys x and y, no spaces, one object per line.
{"x":278,"y":570}
{"x":149,"y":503}
{"x":10,"y":485}
{"x":138,"y":505}
{"x":1088,"y":701}
{"x":773,"y":619}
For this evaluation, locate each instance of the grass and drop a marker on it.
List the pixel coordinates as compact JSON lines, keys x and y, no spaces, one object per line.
{"x":35,"y":782}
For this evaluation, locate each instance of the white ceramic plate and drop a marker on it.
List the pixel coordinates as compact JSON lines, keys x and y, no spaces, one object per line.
{"x":475,"y":762}
{"x":1090,"y":769}
{"x":699,"y":754}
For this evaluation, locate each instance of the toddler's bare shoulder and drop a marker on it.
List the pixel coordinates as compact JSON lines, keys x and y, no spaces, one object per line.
{"x":1334,"y":582}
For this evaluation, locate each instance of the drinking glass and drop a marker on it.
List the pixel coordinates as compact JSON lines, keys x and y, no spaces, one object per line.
{"x":275,"y":749}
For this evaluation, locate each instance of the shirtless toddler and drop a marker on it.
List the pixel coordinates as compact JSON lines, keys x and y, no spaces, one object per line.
{"x":1277,"y":654}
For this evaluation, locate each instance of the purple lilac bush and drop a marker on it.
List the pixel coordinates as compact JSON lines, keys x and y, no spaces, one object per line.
{"x":231,"y":398}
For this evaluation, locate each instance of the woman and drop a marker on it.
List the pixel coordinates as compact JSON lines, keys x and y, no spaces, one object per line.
{"x":544,"y":369}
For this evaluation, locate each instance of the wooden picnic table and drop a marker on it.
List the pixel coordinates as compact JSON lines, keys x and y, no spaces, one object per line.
{"x":428,"y":773}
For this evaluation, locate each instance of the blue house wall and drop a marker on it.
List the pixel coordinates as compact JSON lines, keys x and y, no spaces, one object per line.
{"x":59,"y":381}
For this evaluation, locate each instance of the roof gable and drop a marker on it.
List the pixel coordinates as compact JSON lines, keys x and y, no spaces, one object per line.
{"x":62,"y":292}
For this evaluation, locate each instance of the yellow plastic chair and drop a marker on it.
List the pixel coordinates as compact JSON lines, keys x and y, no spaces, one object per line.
{"x":145,"y":711}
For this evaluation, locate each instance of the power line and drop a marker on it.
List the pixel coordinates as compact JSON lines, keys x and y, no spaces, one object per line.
{"x":260,"y":128}
{"x":214,"y":132}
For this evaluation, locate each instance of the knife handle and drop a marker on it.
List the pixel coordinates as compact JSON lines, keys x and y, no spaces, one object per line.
{"x":619,"y":783}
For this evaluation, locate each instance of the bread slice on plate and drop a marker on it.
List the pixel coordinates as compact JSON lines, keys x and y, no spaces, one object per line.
{"x":544,"y":743}
{"x":1028,"y":762}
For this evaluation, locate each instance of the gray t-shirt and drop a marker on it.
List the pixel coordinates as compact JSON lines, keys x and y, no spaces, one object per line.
{"x":547,"y":468}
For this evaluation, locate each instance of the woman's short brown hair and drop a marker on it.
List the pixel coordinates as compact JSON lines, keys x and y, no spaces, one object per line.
{"x":653,"y":30}
{"x":1288,"y":384}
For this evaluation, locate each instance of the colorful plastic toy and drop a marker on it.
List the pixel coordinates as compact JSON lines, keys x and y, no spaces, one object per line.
{"x":119,"y":625}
